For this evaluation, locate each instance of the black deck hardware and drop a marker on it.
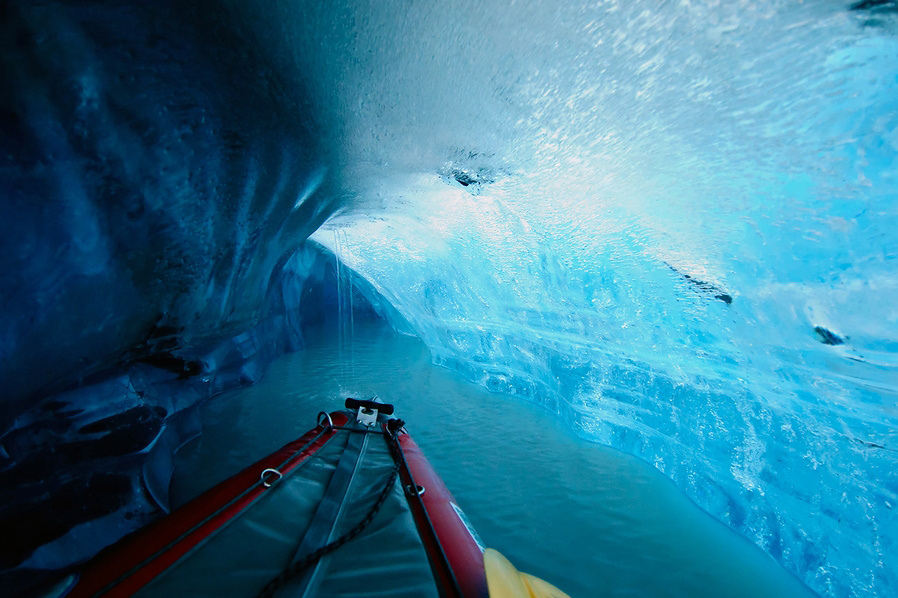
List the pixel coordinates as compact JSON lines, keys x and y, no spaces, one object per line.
{"x":385,"y":408}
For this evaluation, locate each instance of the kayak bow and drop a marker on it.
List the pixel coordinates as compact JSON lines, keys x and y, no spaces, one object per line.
{"x":351,"y":508}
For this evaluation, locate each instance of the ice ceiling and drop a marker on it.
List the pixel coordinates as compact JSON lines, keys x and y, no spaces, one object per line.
{"x":671,"y":223}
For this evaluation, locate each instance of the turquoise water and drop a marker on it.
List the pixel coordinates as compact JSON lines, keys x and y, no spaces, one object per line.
{"x":591,"y":520}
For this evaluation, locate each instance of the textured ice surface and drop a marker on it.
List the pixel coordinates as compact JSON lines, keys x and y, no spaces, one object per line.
{"x":156,"y":175}
{"x":673,"y":223}
{"x":156,"y":172}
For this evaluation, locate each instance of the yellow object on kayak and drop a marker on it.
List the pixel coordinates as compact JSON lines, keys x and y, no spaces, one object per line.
{"x":504,"y":581}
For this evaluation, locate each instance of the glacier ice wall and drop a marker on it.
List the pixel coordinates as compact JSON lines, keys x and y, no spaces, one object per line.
{"x":670,"y":223}
{"x":156,"y":171}
{"x":157,"y":174}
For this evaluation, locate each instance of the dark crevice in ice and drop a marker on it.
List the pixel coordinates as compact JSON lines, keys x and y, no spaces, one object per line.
{"x":472,"y":170}
{"x":184,"y":368}
{"x":705,"y":287}
{"x":880,"y":6}
{"x":46,"y":517}
{"x":828,"y":337}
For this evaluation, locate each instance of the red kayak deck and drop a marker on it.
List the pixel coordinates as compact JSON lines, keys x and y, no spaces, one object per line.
{"x":453,"y":552}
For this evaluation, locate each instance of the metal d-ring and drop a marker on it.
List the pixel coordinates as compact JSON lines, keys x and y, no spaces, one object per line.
{"x":418,"y":490}
{"x":267,"y":482}
{"x":330,"y":422}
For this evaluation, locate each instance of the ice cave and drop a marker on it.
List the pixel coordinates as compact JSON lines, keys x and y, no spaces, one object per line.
{"x":670,"y":225}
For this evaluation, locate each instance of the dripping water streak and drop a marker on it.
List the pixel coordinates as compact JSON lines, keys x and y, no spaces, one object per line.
{"x":345,"y":241}
{"x":339,"y":282}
